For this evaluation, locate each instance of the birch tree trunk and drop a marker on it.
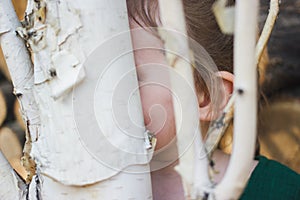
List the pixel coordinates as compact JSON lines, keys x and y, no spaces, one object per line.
{"x":85,"y":129}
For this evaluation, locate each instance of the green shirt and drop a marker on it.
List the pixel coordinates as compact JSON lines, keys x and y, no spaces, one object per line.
{"x":271,"y":180}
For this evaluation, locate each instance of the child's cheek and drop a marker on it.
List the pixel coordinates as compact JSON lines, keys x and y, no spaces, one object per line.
{"x":153,"y":76}
{"x":158,"y":112}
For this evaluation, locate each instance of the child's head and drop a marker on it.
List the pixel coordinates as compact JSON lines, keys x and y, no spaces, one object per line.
{"x":203,"y":29}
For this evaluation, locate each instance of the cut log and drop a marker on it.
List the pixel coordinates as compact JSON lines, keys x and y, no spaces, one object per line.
{"x":3,"y":66}
{"x":3,"y":109}
{"x":7,"y":106}
{"x":18,"y":115}
{"x":12,"y":149}
{"x":9,"y":144}
{"x":279,"y":132}
{"x":18,"y":130}
{"x":20,"y":7}
{"x":279,"y":129}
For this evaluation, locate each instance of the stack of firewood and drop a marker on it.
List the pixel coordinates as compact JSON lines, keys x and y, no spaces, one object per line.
{"x":12,"y":128}
{"x":279,"y":129}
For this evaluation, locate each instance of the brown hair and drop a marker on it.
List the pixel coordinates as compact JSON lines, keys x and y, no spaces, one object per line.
{"x":201,"y":27}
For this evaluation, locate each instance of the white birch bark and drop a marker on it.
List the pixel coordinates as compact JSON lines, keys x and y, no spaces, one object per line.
{"x":20,"y":66}
{"x":267,"y":30}
{"x":89,"y":143}
{"x":193,"y":164}
{"x":245,"y":84}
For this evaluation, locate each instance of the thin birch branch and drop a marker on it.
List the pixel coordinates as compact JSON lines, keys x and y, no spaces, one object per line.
{"x":239,"y":169}
{"x":219,"y":126}
{"x":264,"y":38}
{"x":267,"y":30}
{"x":178,"y":55}
{"x":214,"y":135}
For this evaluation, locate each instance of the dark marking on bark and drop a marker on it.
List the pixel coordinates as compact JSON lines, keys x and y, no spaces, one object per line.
{"x":53,"y":72}
{"x":38,"y":188}
{"x":27,"y":192}
{"x":18,"y":95}
{"x":240,"y":91}
{"x":206,"y":195}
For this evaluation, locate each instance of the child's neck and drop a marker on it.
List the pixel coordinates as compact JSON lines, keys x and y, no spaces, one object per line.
{"x":221,"y":164}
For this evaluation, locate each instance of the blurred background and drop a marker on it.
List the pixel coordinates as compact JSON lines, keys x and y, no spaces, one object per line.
{"x":279,"y":129}
{"x":279,"y":115}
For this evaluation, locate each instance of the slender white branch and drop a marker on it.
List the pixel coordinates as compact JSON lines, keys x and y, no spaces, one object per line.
{"x":179,"y":57}
{"x":264,"y":38}
{"x":239,"y":168}
{"x":267,"y":30}
{"x":215,"y":137}
{"x":219,"y":126}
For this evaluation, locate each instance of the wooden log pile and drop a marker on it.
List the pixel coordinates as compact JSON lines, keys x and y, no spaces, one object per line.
{"x":279,"y":128}
{"x":12,"y":128}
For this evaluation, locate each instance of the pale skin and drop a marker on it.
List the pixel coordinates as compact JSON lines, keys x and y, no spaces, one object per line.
{"x":158,"y":112}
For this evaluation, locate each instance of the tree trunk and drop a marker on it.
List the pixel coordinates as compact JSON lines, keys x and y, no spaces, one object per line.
{"x":85,"y":129}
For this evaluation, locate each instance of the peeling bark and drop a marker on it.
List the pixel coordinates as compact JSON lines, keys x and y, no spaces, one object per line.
{"x":20,"y":67}
{"x":56,"y":95}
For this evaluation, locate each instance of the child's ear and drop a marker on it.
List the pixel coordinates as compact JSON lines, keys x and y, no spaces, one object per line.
{"x":205,"y":105}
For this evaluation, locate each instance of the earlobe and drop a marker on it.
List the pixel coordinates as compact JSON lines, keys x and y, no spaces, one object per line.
{"x":205,"y":105}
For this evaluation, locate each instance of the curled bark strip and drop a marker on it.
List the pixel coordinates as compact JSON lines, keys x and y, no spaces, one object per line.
{"x":21,"y":71}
